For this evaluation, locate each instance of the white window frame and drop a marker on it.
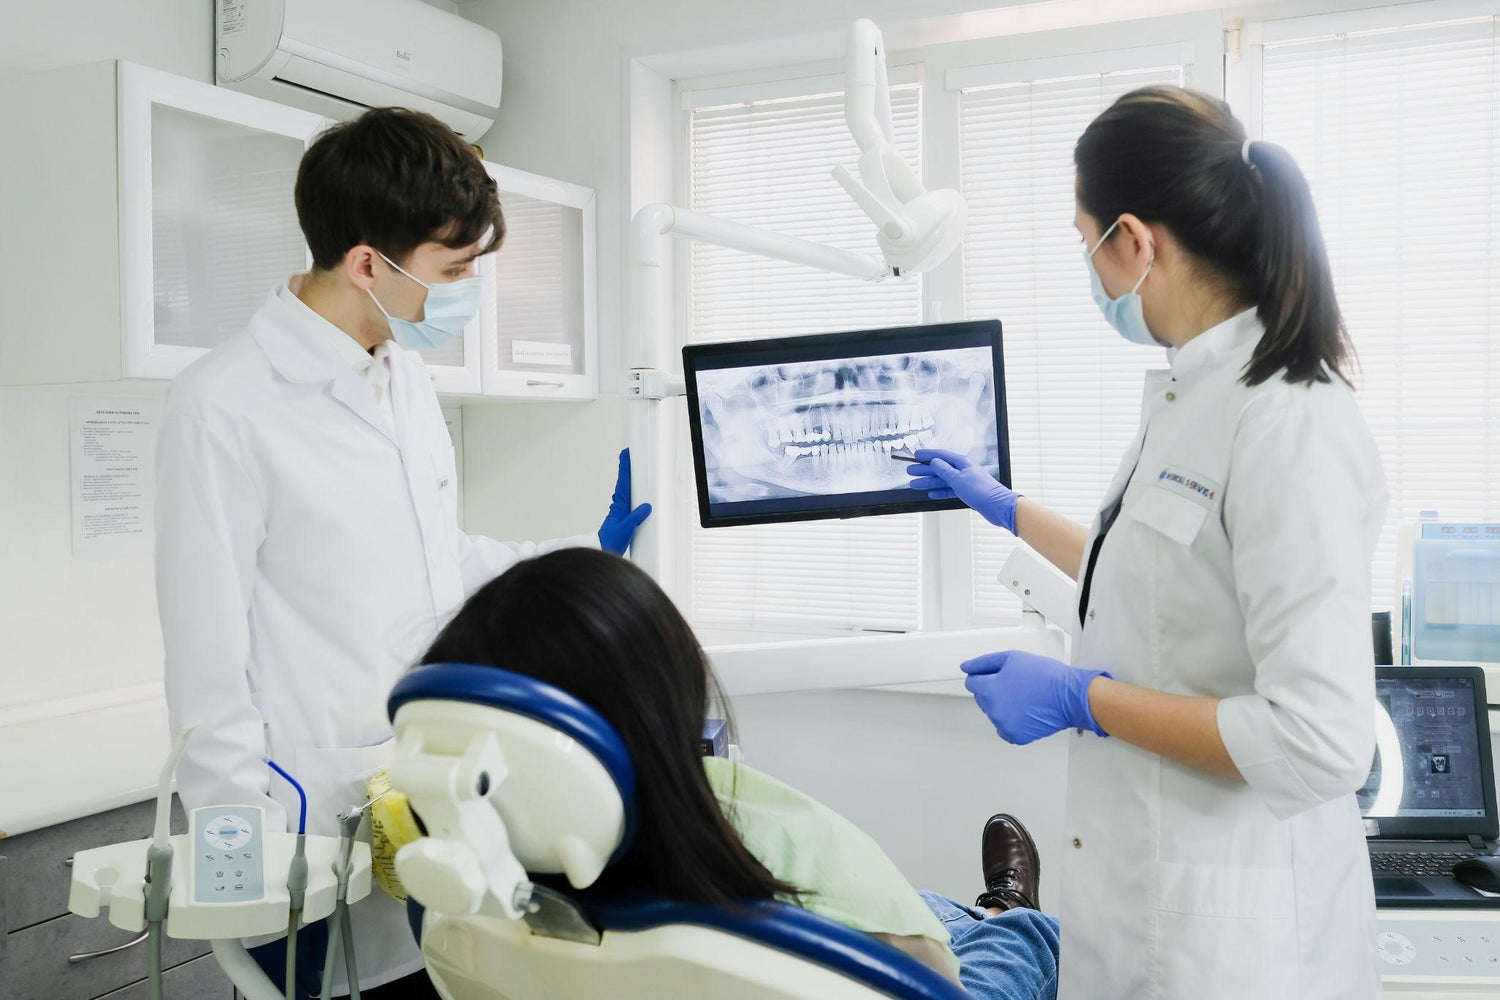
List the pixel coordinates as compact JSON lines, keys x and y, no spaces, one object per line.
{"x":762,"y":666}
{"x":1198,"y":41}
{"x":762,"y":663}
{"x":689,"y":95}
{"x":1244,"y":80}
{"x":1243,"y":69}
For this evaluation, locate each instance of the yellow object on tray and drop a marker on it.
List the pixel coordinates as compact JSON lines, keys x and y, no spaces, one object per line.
{"x":392,"y":826}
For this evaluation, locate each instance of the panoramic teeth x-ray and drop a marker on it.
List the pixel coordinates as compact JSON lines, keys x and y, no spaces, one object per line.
{"x":826,"y":427}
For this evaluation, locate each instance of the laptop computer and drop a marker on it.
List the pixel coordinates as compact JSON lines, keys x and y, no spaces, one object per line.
{"x":1429,"y":802}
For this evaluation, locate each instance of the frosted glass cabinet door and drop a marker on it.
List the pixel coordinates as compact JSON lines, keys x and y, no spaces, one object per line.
{"x":208,"y":224}
{"x":540,"y":312}
{"x":454,"y":367}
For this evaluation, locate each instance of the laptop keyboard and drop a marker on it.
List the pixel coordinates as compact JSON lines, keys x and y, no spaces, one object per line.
{"x":1417,"y":864}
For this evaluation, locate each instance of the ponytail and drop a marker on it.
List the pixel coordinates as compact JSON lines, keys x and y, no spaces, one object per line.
{"x":1242,"y":209}
{"x":1305,"y":334}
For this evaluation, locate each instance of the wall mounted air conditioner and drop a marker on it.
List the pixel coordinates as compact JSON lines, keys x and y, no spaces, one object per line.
{"x":339,"y":57}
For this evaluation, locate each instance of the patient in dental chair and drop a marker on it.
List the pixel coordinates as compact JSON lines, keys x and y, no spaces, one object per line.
{"x":714,"y":832}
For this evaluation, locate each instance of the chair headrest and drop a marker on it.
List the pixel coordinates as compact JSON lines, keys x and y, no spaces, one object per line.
{"x":568,"y":797}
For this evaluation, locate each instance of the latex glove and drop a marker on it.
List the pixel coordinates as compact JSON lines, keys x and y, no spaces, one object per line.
{"x":1028,"y":696}
{"x":947,"y":474}
{"x":621,"y":521}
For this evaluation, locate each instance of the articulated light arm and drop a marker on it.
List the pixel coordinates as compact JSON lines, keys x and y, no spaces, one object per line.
{"x":654,"y":223}
{"x":917,"y":229}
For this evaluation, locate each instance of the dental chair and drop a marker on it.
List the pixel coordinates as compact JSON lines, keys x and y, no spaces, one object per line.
{"x":527,"y":795}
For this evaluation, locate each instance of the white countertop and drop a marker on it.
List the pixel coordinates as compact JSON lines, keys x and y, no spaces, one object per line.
{"x":73,"y":757}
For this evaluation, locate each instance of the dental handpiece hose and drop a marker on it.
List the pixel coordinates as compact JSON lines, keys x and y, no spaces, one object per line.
{"x":296,"y":883}
{"x":158,"y":890}
{"x":159,"y":867}
{"x":340,"y":927}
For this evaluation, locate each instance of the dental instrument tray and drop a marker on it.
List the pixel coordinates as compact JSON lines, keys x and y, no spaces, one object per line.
{"x":799,"y":428}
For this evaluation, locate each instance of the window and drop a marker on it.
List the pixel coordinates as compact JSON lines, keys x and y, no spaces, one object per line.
{"x":1073,"y":387}
{"x":768,"y":163}
{"x":1005,"y":129}
{"x":1398,"y":131}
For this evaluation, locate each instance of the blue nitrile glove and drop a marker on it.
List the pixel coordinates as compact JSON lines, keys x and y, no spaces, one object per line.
{"x":947,"y":474}
{"x":1028,"y":696}
{"x":620,"y":523}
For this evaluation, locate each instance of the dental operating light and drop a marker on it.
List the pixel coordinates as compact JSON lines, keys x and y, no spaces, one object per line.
{"x":917,"y":229}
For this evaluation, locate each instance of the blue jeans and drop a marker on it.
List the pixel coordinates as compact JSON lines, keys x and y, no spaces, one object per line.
{"x":1009,"y":957}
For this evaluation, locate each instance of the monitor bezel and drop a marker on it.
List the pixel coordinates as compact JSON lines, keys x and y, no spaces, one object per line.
{"x":1445,"y":827}
{"x":805,"y":348}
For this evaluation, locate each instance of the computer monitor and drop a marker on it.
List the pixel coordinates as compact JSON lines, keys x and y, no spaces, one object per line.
{"x":1432,"y":775}
{"x":797,"y":428}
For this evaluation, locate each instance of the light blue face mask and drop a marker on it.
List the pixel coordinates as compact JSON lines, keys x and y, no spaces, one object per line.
{"x":1126,"y":313}
{"x":450,"y":306}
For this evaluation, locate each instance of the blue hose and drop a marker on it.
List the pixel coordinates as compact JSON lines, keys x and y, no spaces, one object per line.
{"x":302,"y":817}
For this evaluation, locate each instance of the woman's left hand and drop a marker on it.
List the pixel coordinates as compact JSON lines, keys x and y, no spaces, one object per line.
{"x":1028,"y":696}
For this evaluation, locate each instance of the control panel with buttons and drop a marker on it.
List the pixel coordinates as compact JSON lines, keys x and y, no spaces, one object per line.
{"x":1411,"y":945}
{"x":228,"y":854}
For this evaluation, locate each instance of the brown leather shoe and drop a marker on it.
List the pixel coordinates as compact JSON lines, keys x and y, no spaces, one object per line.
{"x":1012,"y":867}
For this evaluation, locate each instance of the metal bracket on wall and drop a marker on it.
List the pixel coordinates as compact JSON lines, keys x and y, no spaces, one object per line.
{"x":649,"y":383}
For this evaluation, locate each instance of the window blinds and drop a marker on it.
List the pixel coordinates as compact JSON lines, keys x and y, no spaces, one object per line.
{"x":1398,"y":132}
{"x":768,"y":164}
{"x":1073,"y":386}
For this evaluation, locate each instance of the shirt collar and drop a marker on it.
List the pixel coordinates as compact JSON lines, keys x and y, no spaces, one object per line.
{"x":1218,"y":344}
{"x":347,"y":347}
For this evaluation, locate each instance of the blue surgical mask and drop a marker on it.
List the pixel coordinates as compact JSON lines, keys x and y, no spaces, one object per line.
{"x":450,"y":306}
{"x":1126,"y":313}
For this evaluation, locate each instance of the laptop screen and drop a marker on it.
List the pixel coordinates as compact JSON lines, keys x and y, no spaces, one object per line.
{"x":1428,"y":762}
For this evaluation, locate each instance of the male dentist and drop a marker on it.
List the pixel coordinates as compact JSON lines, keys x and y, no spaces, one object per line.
{"x":308,"y":544}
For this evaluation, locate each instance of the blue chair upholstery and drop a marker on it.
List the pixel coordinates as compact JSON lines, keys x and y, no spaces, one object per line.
{"x":529,"y":697}
{"x":793,"y":931}
{"x":780,"y":926}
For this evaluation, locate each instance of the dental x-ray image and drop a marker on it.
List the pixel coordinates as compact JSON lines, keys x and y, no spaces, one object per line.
{"x":806,"y":427}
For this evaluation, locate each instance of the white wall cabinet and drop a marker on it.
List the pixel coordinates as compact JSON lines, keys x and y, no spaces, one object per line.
{"x":145,"y":217}
{"x":540,"y":310}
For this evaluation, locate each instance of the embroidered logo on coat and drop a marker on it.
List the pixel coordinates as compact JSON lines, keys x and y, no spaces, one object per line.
{"x":1188,"y":484}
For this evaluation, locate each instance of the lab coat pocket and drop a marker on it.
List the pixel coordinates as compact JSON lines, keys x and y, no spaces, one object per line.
{"x":1226,"y":932}
{"x":335,"y":778}
{"x":1174,"y":516}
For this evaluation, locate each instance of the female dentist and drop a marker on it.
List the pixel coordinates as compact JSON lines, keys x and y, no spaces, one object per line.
{"x":1213,"y":845}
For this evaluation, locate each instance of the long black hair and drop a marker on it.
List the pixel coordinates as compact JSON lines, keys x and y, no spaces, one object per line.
{"x":600,"y":629}
{"x":1177,"y":157}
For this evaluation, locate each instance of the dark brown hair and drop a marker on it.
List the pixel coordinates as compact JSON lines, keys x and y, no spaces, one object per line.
{"x":600,"y":629}
{"x":1176,"y":158}
{"x":394,"y":179}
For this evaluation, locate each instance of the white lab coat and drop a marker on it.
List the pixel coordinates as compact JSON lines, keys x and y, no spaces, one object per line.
{"x":306,"y":555}
{"x":1239,"y":569}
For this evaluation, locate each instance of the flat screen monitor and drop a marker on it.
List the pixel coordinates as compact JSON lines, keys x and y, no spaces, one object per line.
{"x":798,"y":428}
{"x":1432,"y":775}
